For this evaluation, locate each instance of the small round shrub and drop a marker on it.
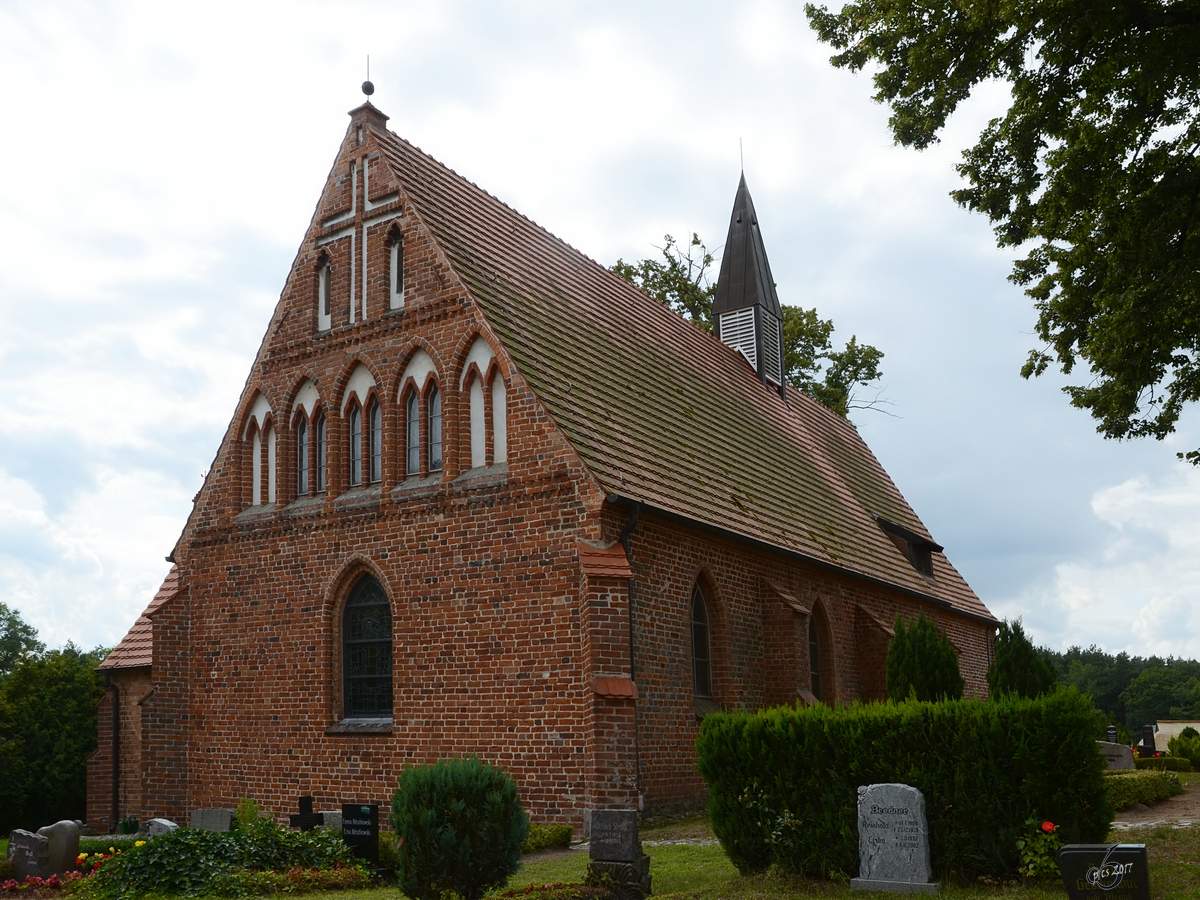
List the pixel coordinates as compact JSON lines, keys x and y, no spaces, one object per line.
{"x":459,"y":827}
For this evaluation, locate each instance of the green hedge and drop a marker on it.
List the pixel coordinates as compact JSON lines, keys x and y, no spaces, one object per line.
{"x":1164,"y":763}
{"x":1127,"y":788}
{"x":783,"y":783}
{"x":543,"y":837}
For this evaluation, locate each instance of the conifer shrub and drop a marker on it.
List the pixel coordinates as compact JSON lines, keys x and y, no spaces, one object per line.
{"x":459,"y":827}
{"x":783,"y":782}
{"x":1186,"y":746}
{"x":922,"y":664}
{"x":1018,"y":667}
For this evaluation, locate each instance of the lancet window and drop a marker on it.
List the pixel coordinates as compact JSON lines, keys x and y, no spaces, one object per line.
{"x":367,"y":652}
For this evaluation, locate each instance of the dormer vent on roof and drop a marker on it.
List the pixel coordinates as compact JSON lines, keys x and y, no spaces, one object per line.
{"x":746,"y":311}
{"x":917,"y":549}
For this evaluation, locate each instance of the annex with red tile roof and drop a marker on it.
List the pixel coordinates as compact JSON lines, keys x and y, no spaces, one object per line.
{"x":136,"y":648}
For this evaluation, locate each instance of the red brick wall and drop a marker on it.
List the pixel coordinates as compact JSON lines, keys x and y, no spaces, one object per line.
{"x":748,"y":647}
{"x":99,"y":769}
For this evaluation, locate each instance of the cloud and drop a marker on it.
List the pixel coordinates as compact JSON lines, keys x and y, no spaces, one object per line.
{"x":1137,"y":588}
{"x":165,"y":163}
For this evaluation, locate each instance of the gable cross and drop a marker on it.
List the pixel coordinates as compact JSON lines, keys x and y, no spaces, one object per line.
{"x":355,"y":222}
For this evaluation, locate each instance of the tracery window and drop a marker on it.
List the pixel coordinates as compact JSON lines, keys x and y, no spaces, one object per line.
{"x":701,"y":646}
{"x":412,"y":416}
{"x":302,"y":467}
{"x":355,"y":446}
{"x":367,"y":651}
{"x":375,"y":433}
{"x":434,"y":424}
{"x":319,"y":460}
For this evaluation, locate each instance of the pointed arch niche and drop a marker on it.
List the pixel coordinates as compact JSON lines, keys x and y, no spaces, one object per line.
{"x":309,"y":429}
{"x":260,"y":435}
{"x":420,"y":403}
{"x":486,"y":397}
{"x":364,"y":429}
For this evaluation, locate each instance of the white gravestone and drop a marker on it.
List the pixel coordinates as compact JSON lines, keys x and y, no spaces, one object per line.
{"x":1116,"y":756}
{"x":156,"y":827}
{"x":893,"y":840}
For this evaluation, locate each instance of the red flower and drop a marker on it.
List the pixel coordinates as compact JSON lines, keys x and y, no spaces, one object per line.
{"x":1049,"y":827}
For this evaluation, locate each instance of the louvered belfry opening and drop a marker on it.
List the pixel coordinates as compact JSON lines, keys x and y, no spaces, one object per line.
{"x":746,"y":311}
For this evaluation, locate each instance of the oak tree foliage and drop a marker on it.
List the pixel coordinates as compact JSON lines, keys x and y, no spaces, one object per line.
{"x":681,"y":280}
{"x":18,"y":639}
{"x":47,"y":729}
{"x":1093,"y":170}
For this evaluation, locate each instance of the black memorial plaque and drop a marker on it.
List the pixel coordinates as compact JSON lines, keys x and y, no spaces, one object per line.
{"x":360,"y":830}
{"x":1112,"y":871}
{"x":1112,"y":734}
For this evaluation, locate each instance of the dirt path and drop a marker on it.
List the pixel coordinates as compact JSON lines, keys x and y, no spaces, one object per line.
{"x":1183,"y":809}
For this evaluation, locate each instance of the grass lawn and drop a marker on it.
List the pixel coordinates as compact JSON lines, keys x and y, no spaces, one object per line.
{"x":704,"y":873}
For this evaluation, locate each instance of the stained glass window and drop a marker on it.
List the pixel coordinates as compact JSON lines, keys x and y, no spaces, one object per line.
{"x":367,"y":651}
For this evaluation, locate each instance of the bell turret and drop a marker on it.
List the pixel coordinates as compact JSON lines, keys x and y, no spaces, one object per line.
{"x":746,"y":311}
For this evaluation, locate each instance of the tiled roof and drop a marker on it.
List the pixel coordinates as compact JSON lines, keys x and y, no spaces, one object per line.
{"x":610,"y":562}
{"x":136,"y":648}
{"x":662,"y":412}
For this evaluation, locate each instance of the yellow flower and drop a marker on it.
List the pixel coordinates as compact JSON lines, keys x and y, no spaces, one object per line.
{"x":138,"y":843}
{"x":111,"y":850}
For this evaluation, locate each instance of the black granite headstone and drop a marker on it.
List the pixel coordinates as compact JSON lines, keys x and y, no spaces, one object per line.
{"x":1112,"y":734}
{"x":1111,"y":871}
{"x":307,"y":820}
{"x":1148,"y":740}
{"x":360,"y":830}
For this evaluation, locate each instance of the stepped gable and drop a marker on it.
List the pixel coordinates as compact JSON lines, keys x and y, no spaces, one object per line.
{"x":135,"y":649}
{"x":662,"y":412}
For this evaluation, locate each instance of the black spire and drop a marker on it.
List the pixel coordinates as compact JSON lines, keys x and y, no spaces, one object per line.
{"x":746,"y":311}
{"x":745,"y":278}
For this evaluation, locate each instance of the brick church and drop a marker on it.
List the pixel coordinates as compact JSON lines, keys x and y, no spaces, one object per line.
{"x":480,"y":495}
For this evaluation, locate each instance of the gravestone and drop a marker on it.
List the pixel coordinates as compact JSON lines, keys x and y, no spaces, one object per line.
{"x":30,"y":854}
{"x":1148,"y":748}
{"x":333,"y":819}
{"x":1111,"y":734}
{"x":1116,"y":756}
{"x":213,"y":819}
{"x":1092,"y":871}
{"x":893,"y":840}
{"x":64,"y":845}
{"x":306,"y":819}
{"x":360,"y":830}
{"x":615,"y":851}
{"x":157,"y":827}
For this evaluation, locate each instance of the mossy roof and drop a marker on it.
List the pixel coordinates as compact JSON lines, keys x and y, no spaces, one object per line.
{"x":661,"y":411}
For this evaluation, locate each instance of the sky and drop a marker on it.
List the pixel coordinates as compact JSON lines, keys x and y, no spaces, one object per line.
{"x":161,"y":165}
